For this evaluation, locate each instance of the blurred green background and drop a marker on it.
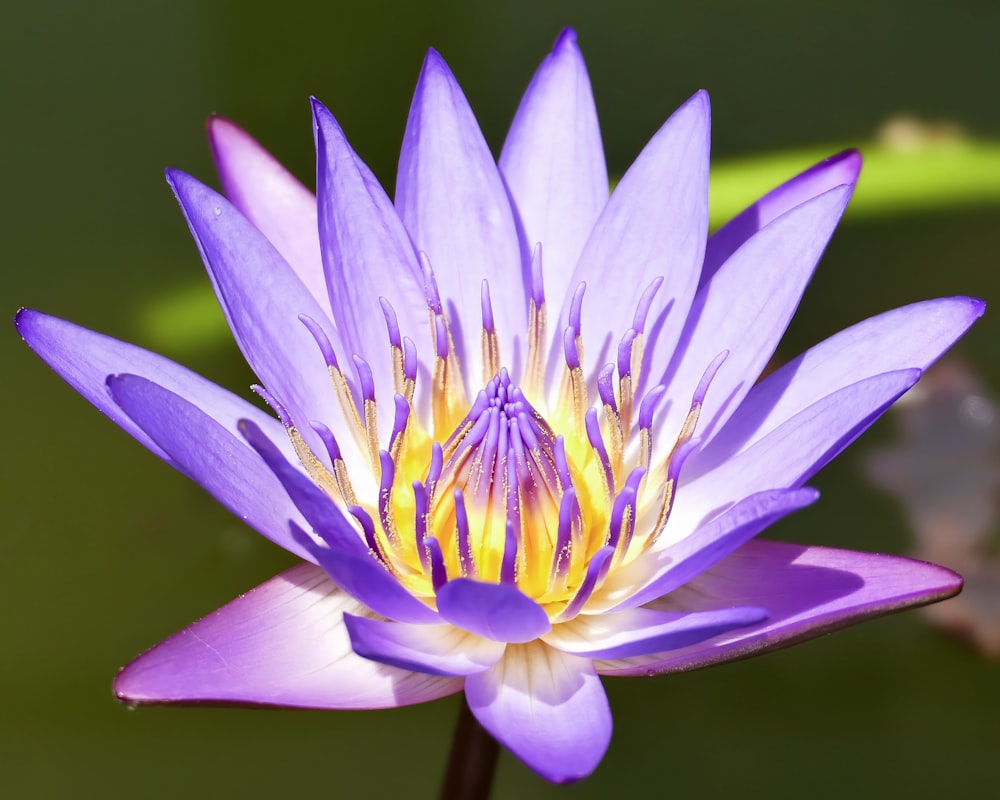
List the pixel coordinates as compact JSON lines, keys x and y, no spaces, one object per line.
{"x":105,"y":550}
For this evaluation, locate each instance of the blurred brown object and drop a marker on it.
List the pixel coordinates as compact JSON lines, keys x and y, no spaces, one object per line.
{"x":945,"y":472}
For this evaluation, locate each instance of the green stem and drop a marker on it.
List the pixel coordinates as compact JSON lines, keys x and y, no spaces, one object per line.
{"x":472,"y":761}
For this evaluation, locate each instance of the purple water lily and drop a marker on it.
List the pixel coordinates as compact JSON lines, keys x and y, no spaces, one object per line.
{"x":519,"y":440}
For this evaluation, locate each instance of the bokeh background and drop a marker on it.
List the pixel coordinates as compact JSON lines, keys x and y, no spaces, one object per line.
{"x":104,"y":550}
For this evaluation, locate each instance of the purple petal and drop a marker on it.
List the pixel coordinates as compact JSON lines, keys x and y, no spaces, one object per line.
{"x":653,"y":226}
{"x":791,"y":453}
{"x":262,"y":300}
{"x":454,"y":204}
{"x":839,"y":170}
{"x":671,"y":565}
{"x":910,"y":337}
{"x":548,"y":708}
{"x":494,"y":611}
{"x":434,"y":649}
{"x":273,"y":200}
{"x":553,"y":162}
{"x":807,"y":590}
{"x":213,"y":457}
{"x":745,"y":309}
{"x":367,"y":253}
{"x":284,"y":644}
{"x":85,"y":359}
{"x":641,"y":631}
{"x":346,"y":557}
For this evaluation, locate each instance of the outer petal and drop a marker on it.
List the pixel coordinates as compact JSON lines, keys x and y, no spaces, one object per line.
{"x":808,"y":591}
{"x":663,"y":570}
{"x":553,"y":162}
{"x":790,"y":454}
{"x":654,"y":226}
{"x":841,"y":169}
{"x":492,"y":610}
{"x":910,"y":337}
{"x":85,"y":359}
{"x":745,"y":310}
{"x":548,"y":708}
{"x":434,"y":649}
{"x":640,"y":631}
{"x":272,"y":199}
{"x":454,"y":204}
{"x":367,"y":253}
{"x":263,"y":300}
{"x":283,"y":643}
{"x":213,"y":457}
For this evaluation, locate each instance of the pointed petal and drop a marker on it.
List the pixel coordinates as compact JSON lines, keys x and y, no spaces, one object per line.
{"x":641,"y":631}
{"x":493,"y":610}
{"x":553,"y":162}
{"x":910,"y":337}
{"x":284,"y":644}
{"x":454,"y":204}
{"x":270,"y":197}
{"x":790,"y":454}
{"x":745,"y":310}
{"x":345,"y":556}
{"x":548,"y":708}
{"x":434,"y":649}
{"x":212,"y":457}
{"x":839,"y":170}
{"x":807,"y":590}
{"x":653,"y":226}
{"x":85,"y":359}
{"x":262,"y":300}
{"x":672,"y":565}
{"x":367,"y":254}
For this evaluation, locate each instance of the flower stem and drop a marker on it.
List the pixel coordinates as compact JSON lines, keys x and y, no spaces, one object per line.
{"x":472,"y":761}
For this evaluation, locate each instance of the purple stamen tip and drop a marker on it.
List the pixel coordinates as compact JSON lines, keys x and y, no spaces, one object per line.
{"x":606,"y":387}
{"x":401,"y":416}
{"x":367,"y":526}
{"x":329,"y":440}
{"x":322,"y":340}
{"x":647,"y":409}
{"x":569,"y":348}
{"x":625,"y":353}
{"x":462,"y":525}
{"x":272,"y":401}
{"x":642,"y":310}
{"x":576,"y":307}
{"x":537,"y":288}
{"x":365,"y":377}
{"x":391,"y":323}
{"x":508,"y":567}
{"x":430,"y":284}
{"x":487,"y":307}
{"x":439,"y":576}
{"x":440,"y":337}
{"x":409,"y":359}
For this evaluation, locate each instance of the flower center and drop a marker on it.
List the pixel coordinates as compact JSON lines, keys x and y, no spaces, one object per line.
{"x":549,"y":505}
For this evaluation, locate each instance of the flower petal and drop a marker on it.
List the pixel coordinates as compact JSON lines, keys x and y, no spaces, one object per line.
{"x":654,"y":226}
{"x":85,"y":359}
{"x":745,"y":310}
{"x":434,"y":649}
{"x":553,"y":162}
{"x":367,"y":253}
{"x":839,"y":170}
{"x":345,"y":557}
{"x":664,"y":569}
{"x":284,"y":644}
{"x":548,"y":708}
{"x":807,"y":590}
{"x":791,"y":453}
{"x":270,"y":197}
{"x":454,"y":204}
{"x":493,"y":610}
{"x":262,"y":300}
{"x":641,"y":631}
{"x":910,"y":337}
{"x":211,"y":456}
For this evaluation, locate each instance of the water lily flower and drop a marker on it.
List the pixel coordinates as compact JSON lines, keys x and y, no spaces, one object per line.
{"x":520,"y":440}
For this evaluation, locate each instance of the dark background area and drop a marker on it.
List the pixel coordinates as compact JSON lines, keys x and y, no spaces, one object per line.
{"x":105,"y":550}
